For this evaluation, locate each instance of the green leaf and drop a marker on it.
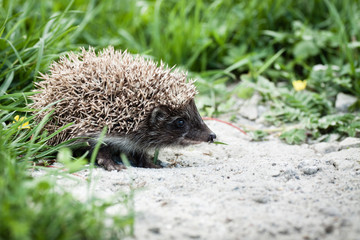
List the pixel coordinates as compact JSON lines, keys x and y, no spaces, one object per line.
{"x":294,"y":136}
{"x":72,"y":165}
{"x":270,"y":61}
{"x":4,"y":87}
{"x":243,"y":91}
{"x":305,"y":49}
{"x":258,"y":135}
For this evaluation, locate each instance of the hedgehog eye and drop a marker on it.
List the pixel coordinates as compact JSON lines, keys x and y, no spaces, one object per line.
{"x":180,"y":123}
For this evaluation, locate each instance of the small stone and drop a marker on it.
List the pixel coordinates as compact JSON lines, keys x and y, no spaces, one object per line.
{"x":249,"y":108}
{"x":194,"y":236}
{"x":277,"y":174}
{"x":325,"y":147}
{"x":329,"y":229}
{"x":330,"y":211}
{"x":344,"y":164}
{"x":333,"y":137}
{"x":350,"y":142}
{"x":344,"y":101}
{"x":262,"y":199}
{"x":155,"y":230}
{"x":310,"y":170}
{"x":289,"y":174}
{"x":284,"y":232}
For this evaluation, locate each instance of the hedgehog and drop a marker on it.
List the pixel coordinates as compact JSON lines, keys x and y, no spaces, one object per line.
{"x":144,"y":105}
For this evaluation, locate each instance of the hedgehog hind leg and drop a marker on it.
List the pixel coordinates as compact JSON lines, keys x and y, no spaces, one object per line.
{"x":105,"y":159}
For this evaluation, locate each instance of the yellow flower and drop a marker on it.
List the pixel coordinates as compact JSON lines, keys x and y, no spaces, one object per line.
{"x":299,"y":85}
{"x":17,"y":118}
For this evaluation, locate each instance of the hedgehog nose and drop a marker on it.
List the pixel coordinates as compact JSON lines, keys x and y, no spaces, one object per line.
{"x":212,"y":136}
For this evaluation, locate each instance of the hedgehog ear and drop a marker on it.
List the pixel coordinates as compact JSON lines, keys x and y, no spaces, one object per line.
{"x":157,"y":115}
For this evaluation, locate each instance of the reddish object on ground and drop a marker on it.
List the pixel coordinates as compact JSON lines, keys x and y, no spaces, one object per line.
{"x":222,"y":121}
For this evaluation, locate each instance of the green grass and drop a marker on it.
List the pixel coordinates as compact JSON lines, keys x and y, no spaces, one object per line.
{"x":260,"y":45}
{"x":37,"y":208}
{"x":32,"y":36}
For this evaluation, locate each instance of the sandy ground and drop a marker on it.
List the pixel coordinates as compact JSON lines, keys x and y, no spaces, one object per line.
{"x":243,"y":190}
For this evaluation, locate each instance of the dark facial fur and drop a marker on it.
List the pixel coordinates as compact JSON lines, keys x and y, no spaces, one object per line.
{"x":164,"y":127}
{"x":180,"y":127}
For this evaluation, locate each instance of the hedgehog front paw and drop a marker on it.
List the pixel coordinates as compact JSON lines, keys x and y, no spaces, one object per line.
{"x":141,"y":159}
{"x":151,"y":165}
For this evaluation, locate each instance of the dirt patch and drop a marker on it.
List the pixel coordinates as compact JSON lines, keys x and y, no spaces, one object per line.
{"x":243,"y":190}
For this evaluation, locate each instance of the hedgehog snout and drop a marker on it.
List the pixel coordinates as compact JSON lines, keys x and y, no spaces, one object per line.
{"x":212,"y":136}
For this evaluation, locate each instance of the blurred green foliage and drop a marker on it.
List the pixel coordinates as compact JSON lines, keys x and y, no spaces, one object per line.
{"x":36,"y":208}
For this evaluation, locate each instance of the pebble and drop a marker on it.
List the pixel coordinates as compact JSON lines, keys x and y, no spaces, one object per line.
{"x":344,"y":101}
{"x":330,"y":211}
{"x":289,"y":174}
{"x":155,"y":230}
{"x":310,"y":170}
{"x":262,"y":199}
{"x":249,"y":108}
{"x":325,"y":147}
{"x":309,"y":166}
{"x":350,"y":142}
